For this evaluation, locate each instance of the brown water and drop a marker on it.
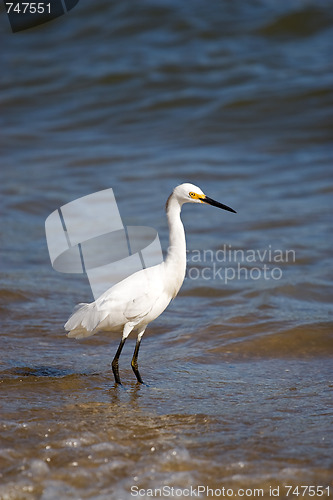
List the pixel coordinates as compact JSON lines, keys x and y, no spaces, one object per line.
{"x":235,"y":98}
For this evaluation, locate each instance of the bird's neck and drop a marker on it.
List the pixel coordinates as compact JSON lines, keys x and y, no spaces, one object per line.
{"x":176,"y":257}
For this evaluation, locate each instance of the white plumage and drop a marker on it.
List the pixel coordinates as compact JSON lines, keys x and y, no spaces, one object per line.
{"x":140,"y":298}
{"x":132,"y":300}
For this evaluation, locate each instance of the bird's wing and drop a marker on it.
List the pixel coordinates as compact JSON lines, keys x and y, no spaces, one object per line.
{"x":134,"y":297}
{"x":129,"y":300}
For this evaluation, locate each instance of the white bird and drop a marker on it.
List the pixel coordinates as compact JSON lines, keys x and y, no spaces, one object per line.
{"x":140,"y":298}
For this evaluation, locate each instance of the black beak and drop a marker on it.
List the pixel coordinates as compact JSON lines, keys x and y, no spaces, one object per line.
{"x":217,"y":204}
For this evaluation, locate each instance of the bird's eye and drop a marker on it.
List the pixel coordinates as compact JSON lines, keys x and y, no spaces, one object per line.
{"x":192,"y":195}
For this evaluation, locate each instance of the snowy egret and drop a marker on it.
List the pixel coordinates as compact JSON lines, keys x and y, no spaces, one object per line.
{"x":140,"y":298}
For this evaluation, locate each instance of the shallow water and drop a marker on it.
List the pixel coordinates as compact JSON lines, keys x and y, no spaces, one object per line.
{"x":234,"y":97}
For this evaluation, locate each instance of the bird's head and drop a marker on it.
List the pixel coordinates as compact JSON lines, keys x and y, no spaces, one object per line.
{"x":189,"y":193}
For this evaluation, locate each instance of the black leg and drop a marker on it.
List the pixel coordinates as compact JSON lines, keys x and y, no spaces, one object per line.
{"x":134,"y":362}
{"x":115,"y":362}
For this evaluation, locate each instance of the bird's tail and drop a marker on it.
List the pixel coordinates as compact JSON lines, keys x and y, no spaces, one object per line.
{"x":84,"y":321}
